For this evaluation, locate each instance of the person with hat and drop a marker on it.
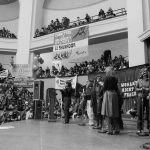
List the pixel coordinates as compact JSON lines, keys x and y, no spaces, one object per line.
{"x":142,"y":90}
{"x":66,"y":95}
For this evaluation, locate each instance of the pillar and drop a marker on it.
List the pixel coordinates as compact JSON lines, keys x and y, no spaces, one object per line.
{"x":30,"y":17}
{"x":136,"y":48}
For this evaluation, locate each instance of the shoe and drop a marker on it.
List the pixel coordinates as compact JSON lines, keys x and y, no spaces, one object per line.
{"x":109,"y":133}
{"x":82,"y":124}
{"x":90,"y":124}
{"x":95,"y":127}
{"x":138,"y":132}
{"x":66,"y":122}
{"x":102,"y":131}
{"x":116,"y":132}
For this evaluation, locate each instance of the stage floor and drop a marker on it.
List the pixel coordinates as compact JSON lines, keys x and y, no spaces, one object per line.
{"x":44,"y":135}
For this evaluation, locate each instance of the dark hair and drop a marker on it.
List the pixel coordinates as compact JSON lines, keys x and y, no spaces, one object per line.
{"x":68,"y":84}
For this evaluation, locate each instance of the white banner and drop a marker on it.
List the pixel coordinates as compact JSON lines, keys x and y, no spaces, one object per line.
{"x":71,"y":44}
{"x":71,"y":54}
{"x":60,"y":83}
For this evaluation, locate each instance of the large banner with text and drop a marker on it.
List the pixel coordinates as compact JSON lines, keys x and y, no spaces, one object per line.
{"x":60,"y":83}
{"x":126,"y":80}
{"x":71,"y":44}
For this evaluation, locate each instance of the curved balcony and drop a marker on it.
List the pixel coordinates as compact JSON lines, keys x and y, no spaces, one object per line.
{"x":100,"y":31}
{"x":8,"y":45}
{"x":112,"y":28}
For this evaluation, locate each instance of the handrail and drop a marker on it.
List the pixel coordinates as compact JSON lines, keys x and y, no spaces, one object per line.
{"x":123,"y":12}
{"x":117,"y":13}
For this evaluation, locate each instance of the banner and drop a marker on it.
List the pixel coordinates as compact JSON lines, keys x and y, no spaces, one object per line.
{"x":21,"y":70}
{"x":126,"y":80}
{"x":60,"y":83}
{"x":71,"y":44}
{"x":24,"y":82}
{"x":3,"y":74}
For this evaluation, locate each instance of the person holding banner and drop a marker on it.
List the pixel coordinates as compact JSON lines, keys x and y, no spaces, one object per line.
{"x":142,"y":90}
{"x":66,"y":95}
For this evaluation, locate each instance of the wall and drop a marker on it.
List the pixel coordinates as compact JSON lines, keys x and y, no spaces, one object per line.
{"x":57,"y":9}
{"x":5,"y":60}
{"x":9,"y":17}
{"x":118,"y":47}
{"x":135,"y":28}
{"x":50,"y":82}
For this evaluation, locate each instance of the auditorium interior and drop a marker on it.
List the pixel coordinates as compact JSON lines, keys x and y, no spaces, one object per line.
{"x":46,"y":44}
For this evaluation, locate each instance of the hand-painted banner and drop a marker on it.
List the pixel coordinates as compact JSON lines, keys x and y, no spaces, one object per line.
{"x":71,"y":35}
{"x":71,"y":54}
{"x":67,"y":44}
{"x":24,"y":82}
{"x":21,"y":70}
{"x":60,"y":83}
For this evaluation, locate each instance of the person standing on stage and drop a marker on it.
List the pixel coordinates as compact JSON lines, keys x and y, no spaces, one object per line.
{"x":88,"y":98}
{"x":142,"y":89}
{"x":110,"y":105}
{"x":97,"y":104}
{"x":66,"y":94}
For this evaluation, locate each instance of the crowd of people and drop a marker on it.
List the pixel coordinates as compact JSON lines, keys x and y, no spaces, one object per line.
{"x":5,"y":33}
{"x":65,"y":23}
{"x":100,"y":100}
{"x":15,"y":102}
{"x":84,"y":68}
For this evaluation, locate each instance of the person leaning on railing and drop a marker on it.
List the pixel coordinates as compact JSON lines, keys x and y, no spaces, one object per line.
{"x":101,"y":14}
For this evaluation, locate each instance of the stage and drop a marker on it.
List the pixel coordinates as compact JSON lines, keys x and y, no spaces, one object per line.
{"x":44,"y":135}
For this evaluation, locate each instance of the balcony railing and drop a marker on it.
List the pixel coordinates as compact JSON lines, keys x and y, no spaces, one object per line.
{"x":96,"y":18}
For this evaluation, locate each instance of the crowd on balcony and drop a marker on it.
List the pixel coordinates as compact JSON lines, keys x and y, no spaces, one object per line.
{"x":65,"y":23}
{"x":5,"y":33}
{"x":86,"y":67}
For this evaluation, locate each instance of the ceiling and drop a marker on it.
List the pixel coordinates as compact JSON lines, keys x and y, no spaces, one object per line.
{"x":4,"y":2}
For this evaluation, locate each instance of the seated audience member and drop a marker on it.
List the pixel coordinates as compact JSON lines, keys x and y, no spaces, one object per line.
{"x":88,"y":18}
{"x":79,"y":22}
{"x":101,"y":14}
{"x":110,"y":13}
{"x":37,"y":33}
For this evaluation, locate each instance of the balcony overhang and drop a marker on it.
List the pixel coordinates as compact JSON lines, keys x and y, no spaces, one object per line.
{"x":8,"y":45}
{"x":102,"y":31}
{"x":145,"y":35}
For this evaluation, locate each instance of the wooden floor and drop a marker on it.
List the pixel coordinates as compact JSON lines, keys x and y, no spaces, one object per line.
{"x":44,"y":135}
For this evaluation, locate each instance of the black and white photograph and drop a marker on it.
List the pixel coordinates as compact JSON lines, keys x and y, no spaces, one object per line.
{"x":74,"y":74}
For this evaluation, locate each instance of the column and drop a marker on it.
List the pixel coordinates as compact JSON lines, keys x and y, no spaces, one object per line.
{"x":136,"y":49}
{"x":30,"y":17}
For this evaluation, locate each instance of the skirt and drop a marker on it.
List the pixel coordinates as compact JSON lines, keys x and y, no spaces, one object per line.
{"x":110,"y":105}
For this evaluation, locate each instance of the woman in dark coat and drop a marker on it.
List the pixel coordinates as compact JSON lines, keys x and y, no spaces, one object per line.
{"x":97,"y":100}
{"x":110,"y":106}
{"x":66,"y":94}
